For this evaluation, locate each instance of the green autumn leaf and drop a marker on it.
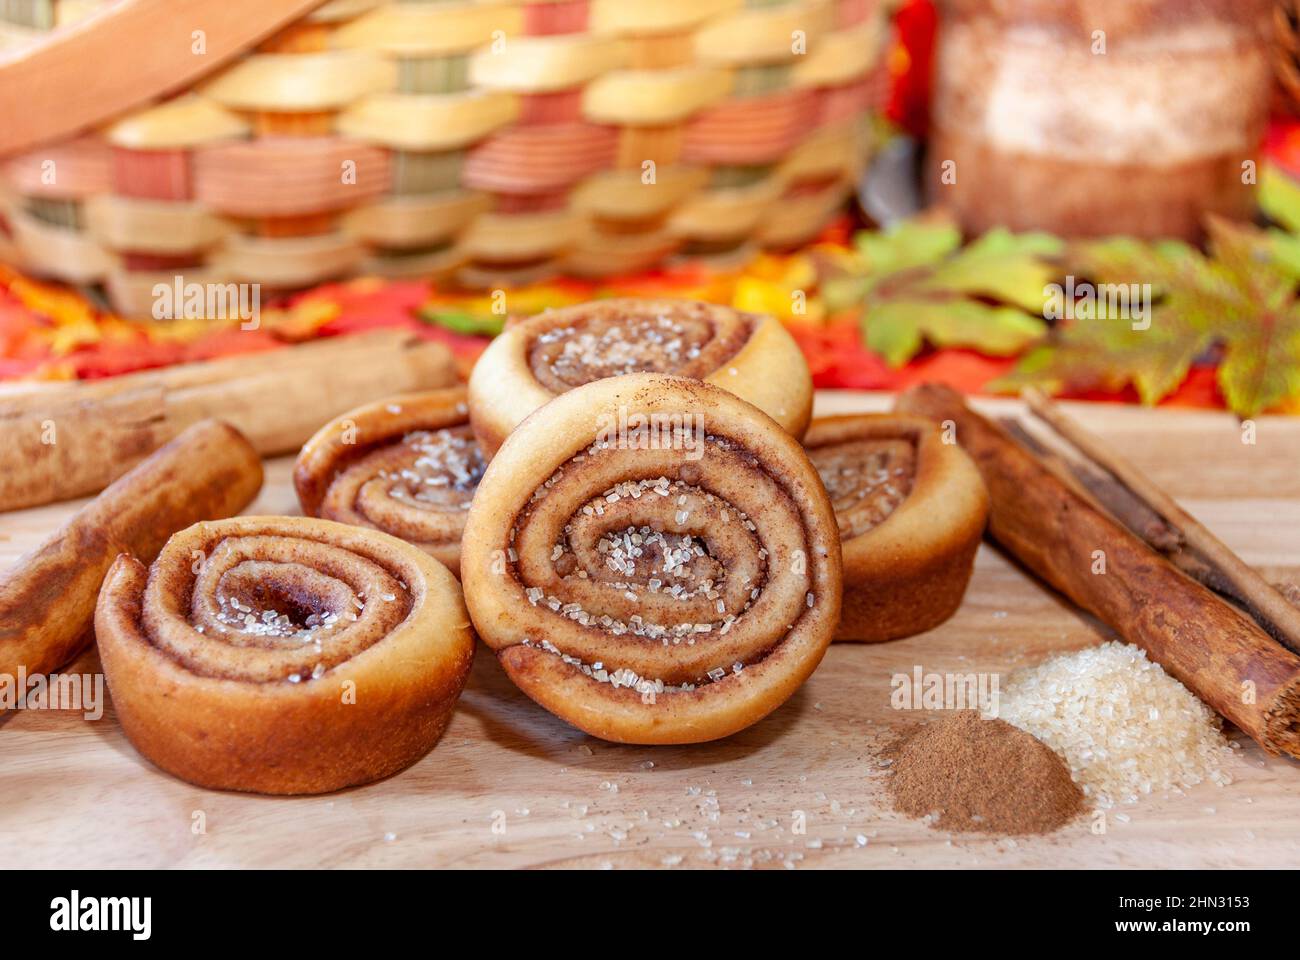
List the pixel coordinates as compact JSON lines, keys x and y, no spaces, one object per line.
{"x":1243,"y":296}
{"x":1165,"y":264}
{"x":1110,"y":345}
{"x":462,"y":322}
{"x":894,"y":333}
{"x":1106,"y":363}
{"x":843,"y":291}
{"x":1261,"y":367}
{"x":1279,"y":197}
{"x":915,"y":284}
{"x":1286,"y":248}
{"x":1002,"y":266}
{"x":908,"y":244}
{"x":895,"y":329}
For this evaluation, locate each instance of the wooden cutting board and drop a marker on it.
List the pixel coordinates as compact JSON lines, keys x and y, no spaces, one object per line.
{"x":511,"y":786}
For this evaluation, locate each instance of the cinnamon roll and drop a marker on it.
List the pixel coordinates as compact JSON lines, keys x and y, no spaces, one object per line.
{"x":407,"y":465}
{"x":910,"y":509}
{"x":533,"y":360}
{"x":283,"y":654}
{"x":653,"y":560}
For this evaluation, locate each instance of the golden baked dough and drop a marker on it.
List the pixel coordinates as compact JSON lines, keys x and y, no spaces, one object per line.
{"x":910,"y":509}
{"x":749,"y":355}
{"x":653,"y":560}
{"x":283,"y":654}
{"x":407,"y":465}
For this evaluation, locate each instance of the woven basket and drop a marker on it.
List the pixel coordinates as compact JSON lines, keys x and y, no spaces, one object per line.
{"x":487,"y":142}
{"x":1145,"y":140}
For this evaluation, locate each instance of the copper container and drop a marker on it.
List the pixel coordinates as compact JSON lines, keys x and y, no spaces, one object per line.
{"x":1096,"y":117}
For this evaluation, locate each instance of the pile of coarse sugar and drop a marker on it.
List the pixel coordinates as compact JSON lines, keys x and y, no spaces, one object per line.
{"x":1125,"y":727}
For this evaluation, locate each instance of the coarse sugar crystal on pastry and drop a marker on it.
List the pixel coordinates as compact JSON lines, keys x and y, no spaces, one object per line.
{"x":911,"y":510}
{"x":407,"y":465}
{"x":283,"y":655}
{"x":653,"y":560}
{"x":535,"y":359}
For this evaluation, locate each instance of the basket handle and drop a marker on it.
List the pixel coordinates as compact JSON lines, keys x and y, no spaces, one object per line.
{"x":137,"y":49}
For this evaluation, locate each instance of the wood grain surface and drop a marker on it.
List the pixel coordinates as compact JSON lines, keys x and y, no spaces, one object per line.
{"x":511,"y":786}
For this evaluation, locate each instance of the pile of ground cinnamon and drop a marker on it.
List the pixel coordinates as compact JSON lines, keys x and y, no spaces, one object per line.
{"x":970,"y":773}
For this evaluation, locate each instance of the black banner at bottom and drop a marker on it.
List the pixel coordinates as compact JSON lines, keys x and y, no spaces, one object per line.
{"x":334,"y":909}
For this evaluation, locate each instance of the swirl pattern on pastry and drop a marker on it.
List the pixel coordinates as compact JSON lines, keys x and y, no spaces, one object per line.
{"x":653,"y":560}
{"x":407,"y":465}
{"x":545,"y":355}
{"x":283,"y":654}
{"x":910,"y":510}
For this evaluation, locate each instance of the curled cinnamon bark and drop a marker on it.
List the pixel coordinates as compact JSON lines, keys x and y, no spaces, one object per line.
{"x":911,"y":512}
{"x":283,"y":654}
{"x":276,"y":399}
{"x":47,"y":600}
{"x":1218,"y":652}
{"x":1158,"y":519}
{"x":533,"y":360}
{"x":653,"y":560}
{"x":407,"y":465}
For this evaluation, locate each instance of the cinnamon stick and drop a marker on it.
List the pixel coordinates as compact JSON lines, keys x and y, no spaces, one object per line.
{"x":1102,"y":490}
{"x":1213,"y":648}
{"x":1107,"y":494}
{"x":59,"y":441}
{"x":47,"y":598}
{"x":1211,"y":560}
